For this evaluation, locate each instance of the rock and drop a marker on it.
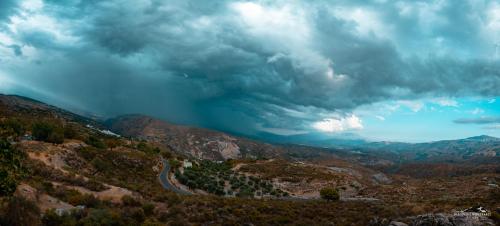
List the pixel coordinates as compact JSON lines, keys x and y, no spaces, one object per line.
{"x":451,"y":220}
{"x":378,"y":222}
{"x":462,"y":220}
{"x":431,"y":219}
{"x":396,"y":223}
{"x":381,"y":178}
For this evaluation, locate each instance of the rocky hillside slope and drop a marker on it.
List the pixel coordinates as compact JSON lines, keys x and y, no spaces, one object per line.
{"x":195,"y":142}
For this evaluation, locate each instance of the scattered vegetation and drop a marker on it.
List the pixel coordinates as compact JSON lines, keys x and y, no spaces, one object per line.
{"x":219,"y":179}
{"x":39,"y":172}
{"x":130,"y":164}
{"x":128,"y":169}
{"x":48,"y":132}
{"x":11,"y":167}
{"x":329,"y":194}
{"x":287,"y":171}
{"x":20,"y":212}
{"x":12,"y":127}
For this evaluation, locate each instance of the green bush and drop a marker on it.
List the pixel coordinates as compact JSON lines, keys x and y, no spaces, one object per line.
{"x":148,"y":209}
{"x":102,"y":217}
{"x":100,"y":165}
{"x":95,"y":142}
{"x":48,"y":132}
{"x":70,"y":132}
{"x":21,"y":212}
{"x":11,"y":168}
{"x":12,"y":127}
{"x":330,"y":194}
{"x":50,"y":218}
{"x":130,"y":201}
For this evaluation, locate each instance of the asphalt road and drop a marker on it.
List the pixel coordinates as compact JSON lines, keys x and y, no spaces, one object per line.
{"x":166,"y":183}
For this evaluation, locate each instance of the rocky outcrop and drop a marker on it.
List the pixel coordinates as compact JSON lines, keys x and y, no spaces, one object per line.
{"x":381,"y":178}
{"x":452,"y":220}
{"x":440,"y":219}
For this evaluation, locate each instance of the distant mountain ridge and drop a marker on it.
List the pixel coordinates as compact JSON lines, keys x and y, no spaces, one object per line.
{"x":196,"y":142}
{"x":215,"y":145}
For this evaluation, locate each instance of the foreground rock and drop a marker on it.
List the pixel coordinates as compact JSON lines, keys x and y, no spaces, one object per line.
{"x":438,"y":220}
{"x":451,"y":220}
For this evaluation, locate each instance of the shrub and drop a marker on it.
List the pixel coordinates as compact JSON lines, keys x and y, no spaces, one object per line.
{"x":70,"y":132}
{"x":150,"y":222}
{"x":165,"y":154}
{"x":50,"y":218}
{"x":99,"y":164}
{"x":12,"y":127}
{"x":130,"y":201}
{"x":174,"y":164}
{"x":102,"y":217}
{"x":48,"y":132}
{"x":21,"y":212}
{"x":329,"y":194}
{"x":11,"y":169}
{"x":112,"y":143}
{"x":95,"y":142}
{"x":148,"y":209}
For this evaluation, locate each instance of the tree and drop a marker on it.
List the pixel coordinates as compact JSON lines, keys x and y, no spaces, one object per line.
{"x":329,"y":194}
{"x":50,"y":218}
{"x":112,"y":143}
{"x":11,"y":169}
{"x":21,"y":212}
{"x":103,"y":217}
{"x":48,"y":132}
{"x":166,"y":154}
{"x":99,"y":164}
{"x":128,"y":200}
{"x":11,"y":127}
{"x":174,"y":164}
{"x":95,"y":142}
{"x":70,"y":131}
{"x":148,"y":208}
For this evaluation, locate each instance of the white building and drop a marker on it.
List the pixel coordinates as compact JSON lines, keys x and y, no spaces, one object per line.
{"x":187,"y":164}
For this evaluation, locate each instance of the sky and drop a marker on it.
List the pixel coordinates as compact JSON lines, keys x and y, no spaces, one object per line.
{"x":384,"y":70}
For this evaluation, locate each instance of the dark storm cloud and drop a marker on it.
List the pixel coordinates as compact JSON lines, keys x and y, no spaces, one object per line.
{"x":214,"y":63}
{"x":482,"y":120}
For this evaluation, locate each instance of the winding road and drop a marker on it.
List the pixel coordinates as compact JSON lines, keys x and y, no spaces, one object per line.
{"x":166,"y":183}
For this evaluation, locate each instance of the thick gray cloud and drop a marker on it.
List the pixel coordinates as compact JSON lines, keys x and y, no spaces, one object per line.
{"x":7,"y":7}
{"x":271,"y":64}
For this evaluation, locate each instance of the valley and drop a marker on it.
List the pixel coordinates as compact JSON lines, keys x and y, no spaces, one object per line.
{"x":65,"y":169}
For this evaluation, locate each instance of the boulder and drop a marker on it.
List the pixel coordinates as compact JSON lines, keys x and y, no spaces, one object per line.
{"x":451,"y":220}
{"x":397,"y":223}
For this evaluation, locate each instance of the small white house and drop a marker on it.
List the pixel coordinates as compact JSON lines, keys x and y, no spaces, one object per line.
{"x":187,"y":164}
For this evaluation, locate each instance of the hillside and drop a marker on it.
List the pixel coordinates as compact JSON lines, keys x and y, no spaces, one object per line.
{"x":195,"y":142}
{"x":462,"y":149}
{"x":64,"y":169}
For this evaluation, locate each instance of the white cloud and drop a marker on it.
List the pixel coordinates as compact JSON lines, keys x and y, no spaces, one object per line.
{"x":415,"y":106}
{"x":492,"y":25}
{"x":32,"y":19}
{"x":477,"y":111}
{"x":275,"y":57}
{"x":381,"y":118}
{"x":445,"y":102}
{"x":280,"y":131}
{"x":286,"y":29}
{"x":491,"y":101}
{"x":32,"y":5}
{"x":333,"y":125}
